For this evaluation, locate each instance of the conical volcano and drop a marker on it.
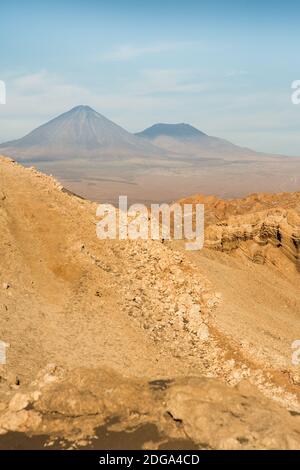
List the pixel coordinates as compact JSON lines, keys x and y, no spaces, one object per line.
{"x":81,"y":132}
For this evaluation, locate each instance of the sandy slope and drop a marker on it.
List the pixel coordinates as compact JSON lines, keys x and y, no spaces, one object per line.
{"x":252,"y":257}
{"x":147,"y":310}
{"x":63,"y":303}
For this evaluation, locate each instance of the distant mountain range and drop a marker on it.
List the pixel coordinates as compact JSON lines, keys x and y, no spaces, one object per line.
{"x":94,"y":157}
{"x":187,"y":140}
{"x":78,"y":133}
{"x":84,"y":133}
{"x":176,"y":131}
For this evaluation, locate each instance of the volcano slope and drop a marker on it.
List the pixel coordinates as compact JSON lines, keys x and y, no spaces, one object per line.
{"x":107,"y":336}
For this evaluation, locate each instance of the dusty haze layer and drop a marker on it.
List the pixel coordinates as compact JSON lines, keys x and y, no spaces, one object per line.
{"x":123,"y":335}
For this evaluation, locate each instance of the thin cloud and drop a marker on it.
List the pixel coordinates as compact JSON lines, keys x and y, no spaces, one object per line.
{"x":127,"y":52}
{"x":237,"y":73}
{"x":170,"y":81}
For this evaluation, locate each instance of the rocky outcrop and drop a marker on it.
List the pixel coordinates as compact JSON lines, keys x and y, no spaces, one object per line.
{"x":72,"y":405}
{"x":219,"y":210}
{"x":268,"y":229}
{"x":255,"y":225}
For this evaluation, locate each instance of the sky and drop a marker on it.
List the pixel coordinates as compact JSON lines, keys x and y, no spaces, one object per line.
{"x":224,"y":67}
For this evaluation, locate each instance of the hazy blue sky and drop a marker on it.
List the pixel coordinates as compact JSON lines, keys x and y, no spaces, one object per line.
{"x":225,"y":67}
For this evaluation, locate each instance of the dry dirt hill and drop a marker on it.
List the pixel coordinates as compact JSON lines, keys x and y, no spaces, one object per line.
{"x":120,"y":335}
{"x":252,"y":256}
